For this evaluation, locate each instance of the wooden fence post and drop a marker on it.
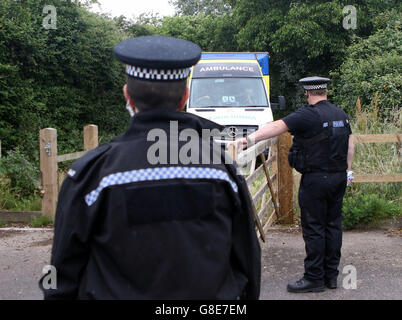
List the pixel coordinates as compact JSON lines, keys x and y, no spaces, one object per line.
{"x":48,"y":169}
{"x":90,"y":137}
{"x":285,"y":179}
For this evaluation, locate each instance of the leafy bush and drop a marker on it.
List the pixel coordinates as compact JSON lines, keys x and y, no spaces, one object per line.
{"x":371,"y":71}
{"x":63,"y":78}
{"x":363,"y":209}
{"x":21,"y":172}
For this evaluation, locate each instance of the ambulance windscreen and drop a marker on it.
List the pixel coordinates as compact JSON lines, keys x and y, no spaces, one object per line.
{"x":227,"y":92}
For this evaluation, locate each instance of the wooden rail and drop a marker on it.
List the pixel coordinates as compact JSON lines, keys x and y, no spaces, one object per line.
{"x":395,"y":177}
{"x":251,"y":153}
{"x":71,"y":156}
{"x":377,"y":138}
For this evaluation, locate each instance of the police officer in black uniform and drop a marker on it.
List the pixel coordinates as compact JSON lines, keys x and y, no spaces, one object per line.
{"x":322,"y":151}
{"x":130,"y":225}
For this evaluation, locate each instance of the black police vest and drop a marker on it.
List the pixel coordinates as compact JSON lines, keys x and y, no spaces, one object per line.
{"x":326,"y":151}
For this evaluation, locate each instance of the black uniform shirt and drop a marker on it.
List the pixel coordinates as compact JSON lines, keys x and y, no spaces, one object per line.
{"x":321,"y":134}
{"x":305,"y":121}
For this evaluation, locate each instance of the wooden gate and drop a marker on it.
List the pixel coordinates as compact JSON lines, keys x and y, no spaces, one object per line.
{"x":271,"y":184}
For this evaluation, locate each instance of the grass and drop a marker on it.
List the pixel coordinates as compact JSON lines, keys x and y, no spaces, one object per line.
{"x":41,"y":221}
{"x":11,"y":201}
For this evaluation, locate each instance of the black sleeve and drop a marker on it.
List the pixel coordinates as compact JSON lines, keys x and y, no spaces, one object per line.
{"x":301,"y":120}
{"x":70,"y":249}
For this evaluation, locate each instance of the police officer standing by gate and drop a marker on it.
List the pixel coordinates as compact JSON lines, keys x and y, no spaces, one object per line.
{"x":322,"y":151}
{"x":135,"y":219}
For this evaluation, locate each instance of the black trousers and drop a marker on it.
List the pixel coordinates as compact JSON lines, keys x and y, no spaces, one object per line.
{"x":320,"y":200}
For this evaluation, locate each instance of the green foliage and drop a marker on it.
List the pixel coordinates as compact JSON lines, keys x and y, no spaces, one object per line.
{"x":144,"y":25}
{"x":364,"y":209}
{"x":211,"y":33}
{"x":20,"y":171}
{"x":195,"y":7}
{"x":310,"y":41}
{"x":306,"y":24}
{"x":63,"y":78}
{"x":371,"y":72}
{"x":41,"y":221}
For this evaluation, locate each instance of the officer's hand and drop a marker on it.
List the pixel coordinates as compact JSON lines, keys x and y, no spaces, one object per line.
{"x":239,"y":144}
{"x":350,"y":178}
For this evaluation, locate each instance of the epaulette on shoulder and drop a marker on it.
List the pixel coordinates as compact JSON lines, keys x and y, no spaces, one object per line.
{"x":80,"y":166}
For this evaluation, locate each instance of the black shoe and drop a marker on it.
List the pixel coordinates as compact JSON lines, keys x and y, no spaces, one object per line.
{"x":331,"y":283}
{"x":305,"y":285}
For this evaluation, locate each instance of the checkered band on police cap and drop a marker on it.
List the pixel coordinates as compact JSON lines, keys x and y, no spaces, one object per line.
{"x":157,"y":74}
{"x":316,"y":87}
{"x":314,"y":83}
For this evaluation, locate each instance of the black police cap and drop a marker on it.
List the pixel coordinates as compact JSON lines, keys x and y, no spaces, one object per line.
{"x":314,"y":83}
{"x":158,"y":58}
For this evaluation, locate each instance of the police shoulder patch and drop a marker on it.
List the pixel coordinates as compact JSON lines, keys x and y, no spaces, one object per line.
{"x":80,"y":166}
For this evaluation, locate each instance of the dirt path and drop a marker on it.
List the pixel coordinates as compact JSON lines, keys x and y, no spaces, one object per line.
{"x":23,"y":254}
{"x":376,"y":255}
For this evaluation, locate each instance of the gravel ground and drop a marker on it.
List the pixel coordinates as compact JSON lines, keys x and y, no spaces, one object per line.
{"x":23,"y":255}
{"x":376,"y":254}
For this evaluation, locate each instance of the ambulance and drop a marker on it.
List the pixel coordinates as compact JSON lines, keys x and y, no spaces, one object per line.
{"x":232,"y":89}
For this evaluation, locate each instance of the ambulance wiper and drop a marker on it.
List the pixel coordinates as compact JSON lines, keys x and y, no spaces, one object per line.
{"x":254,"y":108}
{"x":205,"y":109}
